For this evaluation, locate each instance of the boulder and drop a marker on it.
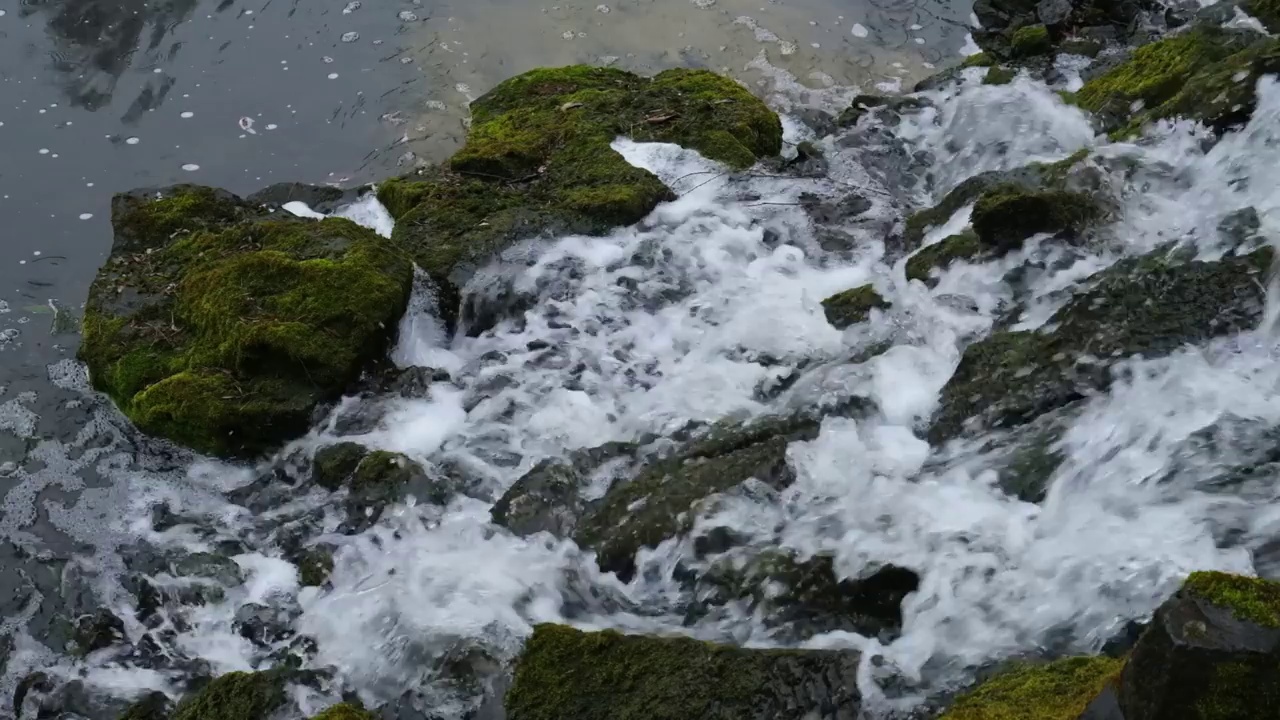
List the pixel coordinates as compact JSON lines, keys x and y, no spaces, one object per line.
{"x":1027,"y":28}
{"x":1012,"y":377}
{"x":1207,"y":73}
{"x":223,"y":330}
{"x":659,"y":503}
{"x":236,"y":696}
{"x":538,"y":161}
{"x":567,"y":673}
{"x":551,"y":497}
{"x":852,"y":306}
{"x":808,"y":596}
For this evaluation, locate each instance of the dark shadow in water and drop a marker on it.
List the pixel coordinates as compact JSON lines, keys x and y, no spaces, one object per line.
{"x":96,"y":41}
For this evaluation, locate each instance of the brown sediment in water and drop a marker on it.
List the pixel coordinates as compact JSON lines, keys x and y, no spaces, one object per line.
{"x":812,"y":51}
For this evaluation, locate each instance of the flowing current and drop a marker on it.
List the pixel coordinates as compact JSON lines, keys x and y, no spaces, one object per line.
{"x":710,"y":310}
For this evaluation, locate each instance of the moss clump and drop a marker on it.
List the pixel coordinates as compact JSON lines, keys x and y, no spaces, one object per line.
{"x":235,"y":696}
{"x":334,"y":464}
{"x":1220,"y":95}
{"x":1030,"y":41}
{"x":1242,"y":690}
{"x":1156,"y":72}
{"x":314,"y":566}
{"x":656,"y":504}
{"x":978,"y":60}
{"x":940,"y":255}
{"x":345,"y":711}
{"x":852,"y":306}
{"x":1080,"y":46}
{"x":538,"y":160}
{"x":1058,"y":690}
{"x":997,"y":75}
{"x":1010,"y":378}
{"x":1248,"y":598}
{"x":143,"y":218}
{"x":566,"y":673}
{"x":1008,"y":214}
{"x":381,"y":469}
{"x":919,"y":223}
{"x":225,"y":338}
{"x":153,"y":706}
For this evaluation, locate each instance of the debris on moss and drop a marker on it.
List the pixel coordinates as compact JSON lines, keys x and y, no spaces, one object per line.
{"x":345,"y":711}
{"x":235,"y":696}
{"x":941,"y":255}
{"x":999,"y":75}
{"x":852,"y":306}
{"x":567,"y":673}
{"x":1030,"y":41}
{"x":1059,"y":690}
{"x":1252,"y":599}
{"x":225,"y":338}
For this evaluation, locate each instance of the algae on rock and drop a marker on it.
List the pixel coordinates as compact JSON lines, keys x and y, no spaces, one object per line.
{"x":852,"y":306}
{"x":567,"y":673}
{"x":223,"y":332}
{"x":538,"y":161}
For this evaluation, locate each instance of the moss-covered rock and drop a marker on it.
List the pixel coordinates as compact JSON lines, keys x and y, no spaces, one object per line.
{"x":334,"y":464}
{"x":999,"y":75}
{"x":345,"y":711}
{"x":940,"y":255}
{"x":1030,"y":41}
{"x":315,"y":564}
{"x":852,"y":306}
{"x":1059,"y":690}
{"x":1013,"y":377}
{"x":659,"y":502}
{"x":236,"y":696}
{"x":1153,"y":82}
{"x":1007,"y":214}
{"x":152,"y":706}
{"x":807,"y":594}
{"x":222,"y":332}
{"x":538,"y":161}
{"x":566,"y":673}
{"x":1211,"y":652}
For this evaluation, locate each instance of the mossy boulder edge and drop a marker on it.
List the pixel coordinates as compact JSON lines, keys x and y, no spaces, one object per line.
{"x":222,"y":327}
{"x":567,"y":673}
{"x":538,"y":161}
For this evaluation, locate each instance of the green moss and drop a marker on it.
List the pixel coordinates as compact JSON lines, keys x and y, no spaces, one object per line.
{"x":225,"y":339}
{"x":978,"y":60}
{"x":382,"y":469}
{"x":335,"y":463}
{"x":852,"y":306}
{"x":940,"y":255}
{"x":235,"y":696}
{"x":919,"y":223}
{"x":656,"y":504}
{"x":566,"y":673}
{"x":1030,"y":41}
{"x":145,"y":216}
{"x":1220,"y":94}
{"x":1267,"y":11}
{"x":1248,"y":598}
{"x":1156,"y":72}
{"x":314,"y":566}
{"x":1058,"y":690}
{"x":345,"y":711}
{"x":997,"y":75}
{"x":153,"y":706}
{"x":400,"y":195}
{"x":1240,"y":691}
{"x":1007,"y":214}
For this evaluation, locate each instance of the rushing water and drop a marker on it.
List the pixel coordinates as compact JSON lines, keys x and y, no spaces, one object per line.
{"x":707,"y":310}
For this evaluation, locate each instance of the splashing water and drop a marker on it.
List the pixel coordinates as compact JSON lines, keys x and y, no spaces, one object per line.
{"x":691,"y":316}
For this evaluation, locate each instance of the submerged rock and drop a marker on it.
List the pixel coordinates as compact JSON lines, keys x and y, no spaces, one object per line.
{"x":809,"y":596}
{"x":538,"y":161}
{"x":852,"y":306}
{"x":660,"y":501}
{"x":567,"y":673}
{"x":222,"y":331}
{"x":1150,"y":305}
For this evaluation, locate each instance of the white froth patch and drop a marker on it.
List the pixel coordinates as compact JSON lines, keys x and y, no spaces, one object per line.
{"x":859,"y":30}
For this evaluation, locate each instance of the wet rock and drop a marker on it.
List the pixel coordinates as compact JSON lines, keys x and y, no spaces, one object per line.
{"x":1059,"y":690}
{"x":380,"y":479}
{"x":314,"y":565}
{"x":152,"y":706}
{"x":852,"y":306}
{"x":1023,"y":28}
{"x":559,"y":171}
{"x":158,"y":332}
{"x":566,"y":673}
{"x":261,"y":625}
{"x":335,"y":464}
{"x":1214,"y":646}
{"x":1207,"y":74}
{"x":942,"y":254}
{"x":887,"y":107}
{"x":324,"y":199}
{"x":1007,"y":214}
{"x":808,"y":596}
{"x":660,"y":502}
{"x":99,"y":630}
{"x":1013,"y":377}
{"x":545,"y":499}
{"x":413,"y":382}
{"x":1240,"y":227}
{"x":843,"y":210}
